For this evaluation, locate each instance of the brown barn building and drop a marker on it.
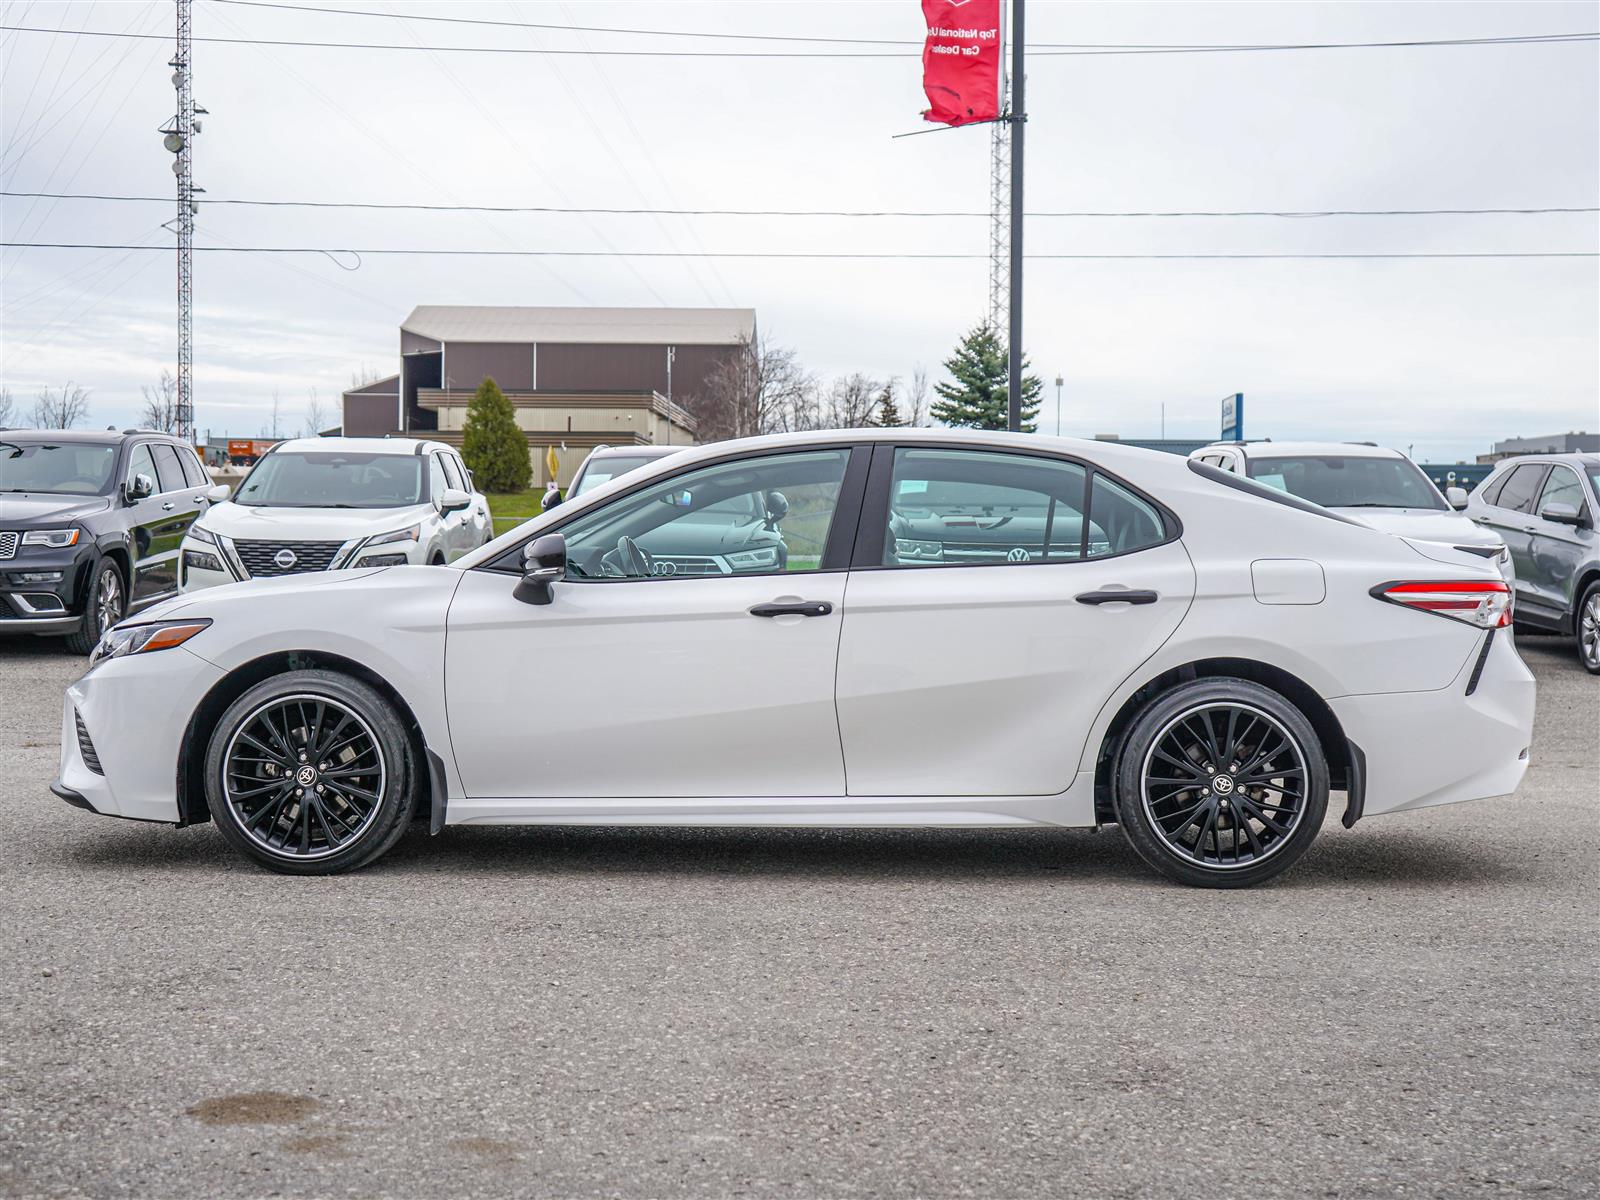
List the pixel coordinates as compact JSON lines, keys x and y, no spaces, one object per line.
{"x":577,"y":377}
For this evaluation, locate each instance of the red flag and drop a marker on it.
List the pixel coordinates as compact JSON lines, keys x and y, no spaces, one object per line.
{"x":961,"y":60}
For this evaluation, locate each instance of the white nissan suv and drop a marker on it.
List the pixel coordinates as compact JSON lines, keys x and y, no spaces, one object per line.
{"x":322,"y":504}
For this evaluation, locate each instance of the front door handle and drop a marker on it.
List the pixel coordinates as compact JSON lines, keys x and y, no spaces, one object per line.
{"x":168,"y":506}
{"x":801,"y":608}
{"x":1116,"y":596}
{"x":1481,"y":520}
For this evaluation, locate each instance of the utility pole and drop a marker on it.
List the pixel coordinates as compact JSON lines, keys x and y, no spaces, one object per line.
{"x":1017,"y":120}
{"x":179,"y":141}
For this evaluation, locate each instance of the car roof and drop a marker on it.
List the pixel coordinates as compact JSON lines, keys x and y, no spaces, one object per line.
{"x":1296,"y":449}
{"x":103,"y":437}
{"x":1590,"y":461}
{"x":361,"y":445}
{"x":635,"y":451}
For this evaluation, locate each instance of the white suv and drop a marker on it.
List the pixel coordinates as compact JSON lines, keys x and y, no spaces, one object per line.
{"x":1373,"y":484}
{"x":321,"y":504}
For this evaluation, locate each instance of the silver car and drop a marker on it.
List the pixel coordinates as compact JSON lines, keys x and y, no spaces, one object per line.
{"x":1544,"y":507}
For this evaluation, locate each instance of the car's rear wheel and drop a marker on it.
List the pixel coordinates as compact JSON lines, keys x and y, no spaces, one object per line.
{"x":1588,"y":628}
{"x":105,"y":605}
{"x":1221,"y":783}
{"x":312,"y":773}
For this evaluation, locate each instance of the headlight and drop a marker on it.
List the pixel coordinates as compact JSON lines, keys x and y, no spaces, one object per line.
{"x":144,"y":639}
{"x":754,"y":560}
{"x":201,"y":534}
{"x":409,"y":534}
{"x":56,"y":539}
{"x":199,"y":560}
{"x":383,"y":560}
{"x":906,"y":548}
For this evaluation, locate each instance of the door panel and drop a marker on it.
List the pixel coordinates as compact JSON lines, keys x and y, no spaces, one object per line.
{"x":985,"y":681}
{"x":645,"y":688}
{"x":1511,"y":516}
{"x":1555,"y":551}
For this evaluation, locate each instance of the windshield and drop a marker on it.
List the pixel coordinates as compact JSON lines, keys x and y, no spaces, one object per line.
{"x":1349,"y":481}
{"x":333,"y":479}
{"x":63,"y":468}
{"x":604,"y":470}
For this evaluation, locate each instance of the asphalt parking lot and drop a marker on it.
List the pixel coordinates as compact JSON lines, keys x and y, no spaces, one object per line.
{"x":622,"y":1012}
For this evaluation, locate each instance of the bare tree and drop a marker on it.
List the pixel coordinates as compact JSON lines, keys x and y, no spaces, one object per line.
{"x":316,"y":414}
{"x":274,"y":427}
{"x":852,"y":401}
{"x":60,"y":408}
{"x":363,"y":375}
{"x":160,"y":404}
{"x":916,"y":398}
{"x":760,"y":388}
{"x":6,"y":407}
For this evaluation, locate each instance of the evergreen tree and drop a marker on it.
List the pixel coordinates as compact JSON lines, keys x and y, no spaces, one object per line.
{"x":887,"y":414}
{"x":976,"y":396}
{"x":495,"y":449}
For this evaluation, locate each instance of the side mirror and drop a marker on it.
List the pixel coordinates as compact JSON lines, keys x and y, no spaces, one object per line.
{"x":454,"y":500}
{"x":1561,"y":514}
{"x":218,"y":492}
{"x":139,"y":487}
{"x":551,"y":499}
{"x":1456,"y":497}
{"x":777,"y":507}
{"x":544,"y":561}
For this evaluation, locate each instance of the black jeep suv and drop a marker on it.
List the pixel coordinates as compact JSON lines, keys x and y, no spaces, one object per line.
{"x":90,"y":525}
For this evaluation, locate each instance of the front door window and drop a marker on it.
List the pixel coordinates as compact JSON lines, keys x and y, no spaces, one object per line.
{"x":756,"y":516}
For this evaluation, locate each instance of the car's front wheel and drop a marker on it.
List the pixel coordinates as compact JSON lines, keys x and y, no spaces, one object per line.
{"x":105,"y":605}
{"x":1588,"y":628}
{"x":312,"y":773}
{"x":1221,"y":783}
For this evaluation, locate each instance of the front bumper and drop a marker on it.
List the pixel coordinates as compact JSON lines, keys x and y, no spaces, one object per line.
{"x":134,"y":712}
{"x":1445,"y":746}
{"x":47,"y":605}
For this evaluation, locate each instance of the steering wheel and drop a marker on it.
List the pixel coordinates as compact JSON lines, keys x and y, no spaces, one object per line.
{"x":636,"y":560}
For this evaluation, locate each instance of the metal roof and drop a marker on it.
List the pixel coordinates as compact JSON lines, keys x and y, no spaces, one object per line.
{"x":648,"y":326}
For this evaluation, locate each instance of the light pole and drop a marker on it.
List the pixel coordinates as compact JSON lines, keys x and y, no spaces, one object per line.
{"x":1058,"y":405}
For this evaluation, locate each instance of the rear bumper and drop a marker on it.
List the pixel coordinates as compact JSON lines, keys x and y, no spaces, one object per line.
{"x":1441,"y":747}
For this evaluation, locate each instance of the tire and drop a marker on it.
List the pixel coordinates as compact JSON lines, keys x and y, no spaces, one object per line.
{"x":277,"y":800}
{"x":103,"y":607}
{"x":1194,"y":724}
{"x":1586,"y":628}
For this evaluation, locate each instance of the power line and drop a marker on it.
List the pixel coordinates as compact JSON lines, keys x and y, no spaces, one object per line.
{"x":797,"y":212}
{"x":1123,"y":47}
{"x":1532,"y":39}
{"x":797,"y":254}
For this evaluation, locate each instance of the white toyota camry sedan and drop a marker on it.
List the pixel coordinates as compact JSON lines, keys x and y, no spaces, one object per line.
{"x":942,"y":629}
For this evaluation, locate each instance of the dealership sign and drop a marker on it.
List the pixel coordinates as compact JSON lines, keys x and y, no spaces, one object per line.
{"x":961,"y":60}
{"x":1233,"y":418}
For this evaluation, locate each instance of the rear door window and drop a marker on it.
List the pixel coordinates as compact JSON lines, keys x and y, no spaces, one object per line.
{"x":1119,"y":521}
{"x":1523,"y":485}
{"x":968,"y":507}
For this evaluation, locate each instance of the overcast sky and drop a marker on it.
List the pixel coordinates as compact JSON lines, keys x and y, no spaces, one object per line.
{"x":1443,"y":355}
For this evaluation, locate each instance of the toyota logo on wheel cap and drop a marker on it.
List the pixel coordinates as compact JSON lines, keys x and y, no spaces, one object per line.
{"x":285,"y":559}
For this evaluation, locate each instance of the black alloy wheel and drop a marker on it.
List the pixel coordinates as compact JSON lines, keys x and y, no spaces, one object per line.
{"x":1222,"y":783}
{"x":311,"y":772}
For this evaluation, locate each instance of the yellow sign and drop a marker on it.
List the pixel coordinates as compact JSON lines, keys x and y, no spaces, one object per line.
{"x":552,"y":463}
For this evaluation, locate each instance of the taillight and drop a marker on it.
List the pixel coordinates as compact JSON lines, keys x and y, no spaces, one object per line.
{"x":1485,"y":603}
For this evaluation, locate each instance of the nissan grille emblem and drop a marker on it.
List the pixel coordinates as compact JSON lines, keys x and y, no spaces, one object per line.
{"x":1018,"y":554}
{"x":284,"y":559}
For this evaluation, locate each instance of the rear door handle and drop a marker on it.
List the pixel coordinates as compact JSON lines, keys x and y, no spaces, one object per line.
{"x":801,"y":608}
{"x":1481,"y":520}
{"x":168,"y":506}
{"x":1116,"y":596}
